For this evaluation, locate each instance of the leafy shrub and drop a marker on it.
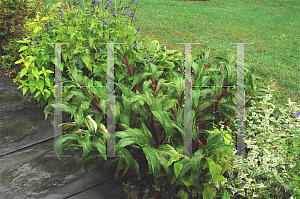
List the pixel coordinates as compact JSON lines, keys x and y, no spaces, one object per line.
{"x":13,"y":13}
{"x":272,"y":138}
{"x":37,"y":83}
{"x":144,"y":128}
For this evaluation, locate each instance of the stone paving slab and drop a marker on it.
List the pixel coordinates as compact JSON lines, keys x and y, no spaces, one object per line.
{"x":29,"y":174}
{"x":21,"y":122}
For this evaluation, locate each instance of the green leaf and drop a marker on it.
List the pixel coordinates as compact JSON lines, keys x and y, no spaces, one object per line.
{"x":209,"y":193}
{"x":131,"y":163}
{"x":180,"y":115}
{"x":182,"y":194}
{"x":214,"y":168}
{"x":139,"y":77}
{"x":98,"y":92}
{"x":177,"y":168}
{"x":226,"y":195}
{"x":32,"y":58}
{"x":85,"y":107}
{"x":179,"y":127}
{"x":129,"y":140}
{"x":117,"y":111}
{"x":66,"y":107}
{"x":45,"y":57}
{"x":49,"y":71}
{"x":23,"y":48}
{"x":187,"y":182}
{"x":46,"y":94}
{"x":137,"y":97}
{"x":196,"y":166}
{"x":47,"y":109}
{"x":122,"y":76}
{"x":279,"y":179}
{"x":86,"y":144}
{"x":78,"y":94}
{"x":39,"y":61}
{"x":38,"y":98}
{"x":65,"y":138}
{"x":290,"y":155}
{"x":165,"y":121}
{"x":220,"y":178}
{"x":169,"y":104}
{"x":24,"y":90}
{"x":227,"y":138}
{"x":19,"y":61}
{"x":99,"y":144}
{"x":203,"y":105}
{"x":179,"y":86}
{"x":79,"y":118}
{"x":125,"y":117}
{"x":37,"y":94}
{"x":23,"y":72}
{"x":48,"y":81}
{"x":41,"y":84}
{"x":225,"y":167}
{"x":36,"y":29}
{"x":196,"y":96}
{"x":90,"y":124}
{"x":91,"y":39}
{"x":32,"y":87}
{"x":89,"y":158}
{"x":148,"y":135}
{"x":295,"y":177}
{"x":86,"y":60}
{"x":65,"y":56}
{"x":186,"y":167}
{"x":163,"y":158}
{"x":153,"y":159}
{"x":154,"y":46}
{"x":124,"y":89}
{"x":173,"y":159}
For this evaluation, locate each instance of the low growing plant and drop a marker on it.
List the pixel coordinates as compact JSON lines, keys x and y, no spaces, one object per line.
{"x":271,"y":169}
{"x":127,"y":185}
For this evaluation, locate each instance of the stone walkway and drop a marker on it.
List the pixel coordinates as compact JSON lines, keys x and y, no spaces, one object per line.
{"x":25,"y":172}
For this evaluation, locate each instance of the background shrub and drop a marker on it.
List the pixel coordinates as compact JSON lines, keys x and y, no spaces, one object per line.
{"x":12,"y":18}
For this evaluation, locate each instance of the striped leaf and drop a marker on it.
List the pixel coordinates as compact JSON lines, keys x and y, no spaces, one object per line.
{"x":90,"y":124}
{"x":164,"y":120}
{"x":153,"y":159}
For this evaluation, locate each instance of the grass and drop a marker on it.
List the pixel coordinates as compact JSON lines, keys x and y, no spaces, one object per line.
{"x":270,"y":25}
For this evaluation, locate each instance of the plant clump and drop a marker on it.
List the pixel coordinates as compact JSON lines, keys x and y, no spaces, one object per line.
{"x":149,"y":104}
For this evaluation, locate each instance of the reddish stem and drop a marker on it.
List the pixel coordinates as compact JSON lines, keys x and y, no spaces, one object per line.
{"x":97,"y":106}
{"x":130,"y":72}
{"x":126,"y":62}
{"x":175,"y":110}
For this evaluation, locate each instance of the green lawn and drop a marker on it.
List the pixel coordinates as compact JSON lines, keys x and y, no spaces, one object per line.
{"x":271,"y":25}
